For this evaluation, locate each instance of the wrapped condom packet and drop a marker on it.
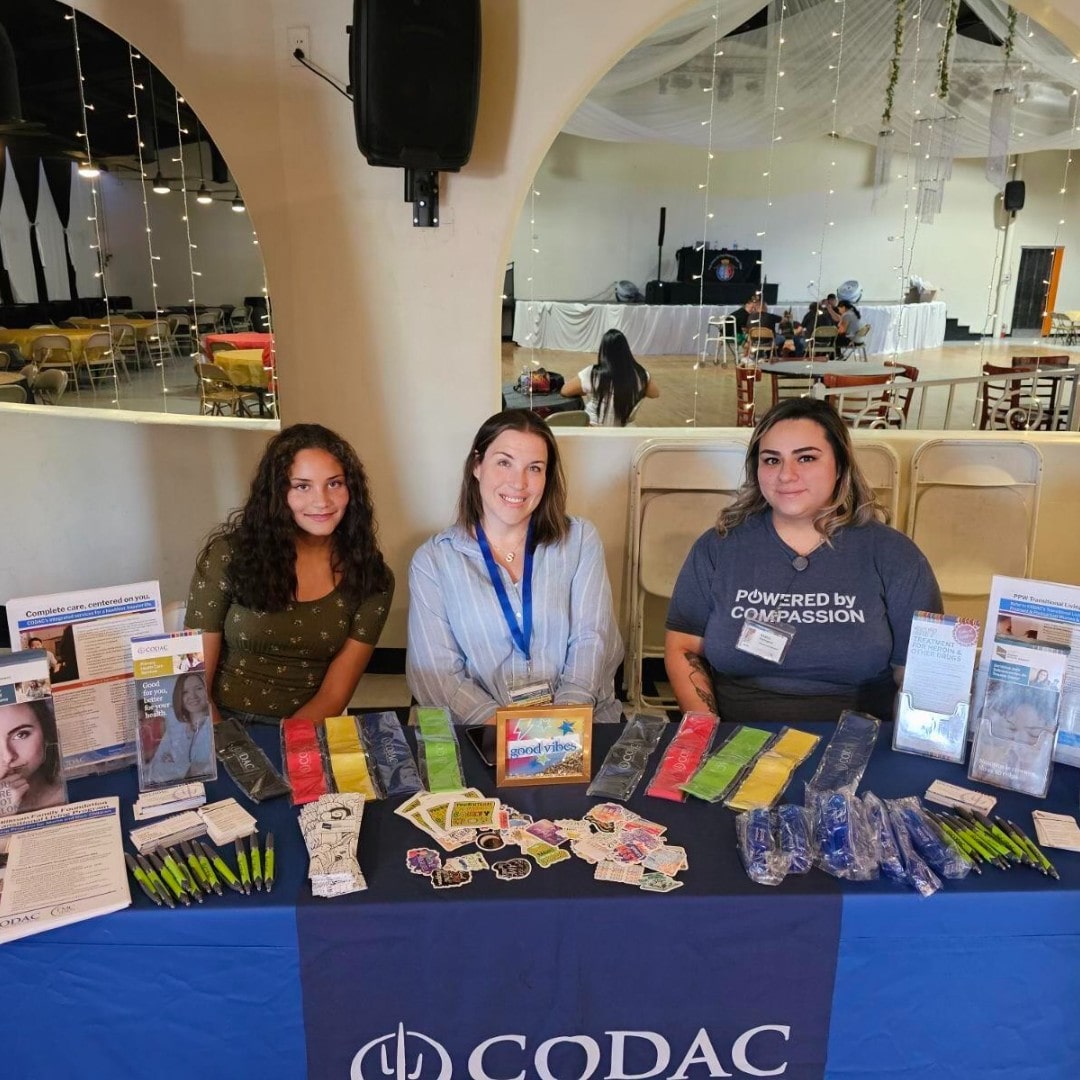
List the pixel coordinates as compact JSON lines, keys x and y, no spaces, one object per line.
{"x":251,"y":770}
{"x":438,"y":749}
{"x":683,"y":756}
{"x":390,"y":753}
{"x":765,"y":863}
{"x":624,"y":765}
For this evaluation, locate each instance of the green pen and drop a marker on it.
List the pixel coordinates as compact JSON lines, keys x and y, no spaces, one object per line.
{"x":221,"y":866}
{"x":1026,"y":855}
{"x":242,"y":863}
{"x":207,"y":869}
{"x":986,"y":834}
{"x":159,"y":885}
{"x":1045,"y":864}
{"x":964,"y":829}
{"x":187,"y":882}
{"x":256,"y":861}
{"x":269,"y":861}
{"x":196,"y":869}
{"x":958,"y":842}
{"x":141,"y":878}
{"x":1003,"y":836}
{"x":167,"y":876}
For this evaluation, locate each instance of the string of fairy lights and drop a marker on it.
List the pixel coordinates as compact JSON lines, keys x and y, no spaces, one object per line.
{"x":89,"y":168}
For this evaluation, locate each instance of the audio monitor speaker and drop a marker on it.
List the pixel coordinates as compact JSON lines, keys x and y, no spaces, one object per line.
{"x":1014,"y":195}
{"x":415,"y":67}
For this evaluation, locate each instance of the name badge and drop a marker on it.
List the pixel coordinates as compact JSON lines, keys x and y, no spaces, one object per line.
{"x":531,"y":694}
{"x":764,"y":640}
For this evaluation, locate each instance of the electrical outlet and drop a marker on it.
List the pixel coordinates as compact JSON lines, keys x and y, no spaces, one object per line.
{"x":298,"y":39}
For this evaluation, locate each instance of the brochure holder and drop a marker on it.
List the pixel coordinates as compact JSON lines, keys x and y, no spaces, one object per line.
{"x":1009,"y":763}
{"x":931,"y":734}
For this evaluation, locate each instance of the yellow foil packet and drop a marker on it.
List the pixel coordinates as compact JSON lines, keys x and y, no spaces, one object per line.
{"x":347,"y":758}
{"x":772,"y":772}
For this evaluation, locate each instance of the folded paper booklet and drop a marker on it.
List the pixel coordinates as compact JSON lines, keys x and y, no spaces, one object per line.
{"x":932,"y":711}
{"x":1017,"y":723}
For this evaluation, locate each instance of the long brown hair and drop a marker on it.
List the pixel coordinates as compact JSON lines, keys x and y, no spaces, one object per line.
{"x":852,"y":502}
{"x":550,"y":523}
{"x":262,"y":533}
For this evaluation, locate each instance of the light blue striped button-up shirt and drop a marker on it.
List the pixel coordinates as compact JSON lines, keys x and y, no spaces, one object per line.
{"x":461,"y":654}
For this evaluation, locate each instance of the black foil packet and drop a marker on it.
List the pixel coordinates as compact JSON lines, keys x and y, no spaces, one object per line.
{"x":625,"y":761}
{"x":252,"y":771}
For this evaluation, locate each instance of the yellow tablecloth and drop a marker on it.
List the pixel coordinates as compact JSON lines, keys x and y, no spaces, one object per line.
{"x":140,"y":325}
{"x":244,"y":366}
{"x":25,"y":338}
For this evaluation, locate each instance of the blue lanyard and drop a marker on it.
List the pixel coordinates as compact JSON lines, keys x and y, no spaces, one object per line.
{"x":521,"y":634}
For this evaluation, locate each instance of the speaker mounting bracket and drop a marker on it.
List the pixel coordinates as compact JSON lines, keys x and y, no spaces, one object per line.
{"x":422,"y":190}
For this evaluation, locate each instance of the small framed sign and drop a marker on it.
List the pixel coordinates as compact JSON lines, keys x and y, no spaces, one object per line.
{"x":545,"y":744}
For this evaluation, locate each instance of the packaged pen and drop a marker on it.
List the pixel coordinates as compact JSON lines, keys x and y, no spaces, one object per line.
{"x":390,"y":753}
{"x":625,"y":762}
{"x":881,"y":831}
{"x":793,"y":826}
{"x":919,"y":876}
{"x":761,"y":856}
{"x":938,"y":854}
{"x":251,"y":770}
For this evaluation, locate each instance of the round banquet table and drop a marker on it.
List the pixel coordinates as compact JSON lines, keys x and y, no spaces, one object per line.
{"x":818,"y":369}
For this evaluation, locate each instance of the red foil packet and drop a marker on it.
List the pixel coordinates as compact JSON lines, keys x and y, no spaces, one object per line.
{"x":682,"y":757}
{"x":303,"y":759}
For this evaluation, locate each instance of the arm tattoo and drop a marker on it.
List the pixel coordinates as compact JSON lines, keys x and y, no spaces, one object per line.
{"x":701,"y":679}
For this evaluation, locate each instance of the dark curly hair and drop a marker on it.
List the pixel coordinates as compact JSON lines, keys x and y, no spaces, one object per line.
{"x":551,"y":524}
{"x":262,"y":533}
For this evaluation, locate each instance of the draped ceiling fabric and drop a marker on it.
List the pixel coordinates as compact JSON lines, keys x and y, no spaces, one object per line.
{"x":15,"y":239}
{"x":82,"y":236}
{"x":660,"y":91}
{"x":52,"y":245}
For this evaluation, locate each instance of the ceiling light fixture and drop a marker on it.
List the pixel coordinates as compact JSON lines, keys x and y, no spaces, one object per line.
{"x":204,"y":196}
{"x":161,"y":185}
{"x":88,"y":170}
{"x":238,"y":204}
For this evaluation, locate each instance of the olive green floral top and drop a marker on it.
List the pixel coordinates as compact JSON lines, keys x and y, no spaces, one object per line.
{"x":273,"y":662}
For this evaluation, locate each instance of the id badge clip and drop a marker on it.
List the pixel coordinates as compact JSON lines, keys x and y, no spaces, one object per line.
{"x":765,"y":640}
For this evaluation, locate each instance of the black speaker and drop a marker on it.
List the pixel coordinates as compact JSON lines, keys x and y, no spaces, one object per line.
{"x":415,"y":70}
{"x":1014,"y":195}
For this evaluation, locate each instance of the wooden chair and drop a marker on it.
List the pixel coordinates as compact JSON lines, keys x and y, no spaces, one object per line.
{"x":901,"y":394}
{"x":862,"y":407}
{"x":1008,"y":404}
{"x":760,"y":342}
{"x":788,"y":386}
{"x":747,"y":376}
{"x":54,"y":351}
{"x":1048,"y":391}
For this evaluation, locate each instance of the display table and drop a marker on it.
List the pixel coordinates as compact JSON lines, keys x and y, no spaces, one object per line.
{"x":558,"y":967}
{"x":899,"y":328}
{"x":246,"y":340}
{"x":25,"y":339}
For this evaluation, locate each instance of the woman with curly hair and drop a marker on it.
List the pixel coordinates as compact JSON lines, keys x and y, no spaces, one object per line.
{"x":292,"y":592}
{"x":798,"y":604}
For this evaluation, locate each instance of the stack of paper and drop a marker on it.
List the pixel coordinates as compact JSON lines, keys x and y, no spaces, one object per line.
{"x":168,"y":831}
{"x":152,"y":804}
{"x":227,"y":821}
{"x":1056,"y":830}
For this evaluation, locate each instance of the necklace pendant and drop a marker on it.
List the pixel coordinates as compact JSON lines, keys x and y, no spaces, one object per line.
{"x":800,"y":562}
{"x":510,"y":556}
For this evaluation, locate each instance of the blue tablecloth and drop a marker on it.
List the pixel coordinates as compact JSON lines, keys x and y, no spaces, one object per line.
{"x":979,"y":980}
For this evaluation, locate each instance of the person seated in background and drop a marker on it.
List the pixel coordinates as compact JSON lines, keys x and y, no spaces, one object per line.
{"x":798,"y":604}
{"x":829,"y":311}
{"x":847,"y":326}
{"x":614,"y":386}
{"x":789,"y":337}
{"x":512,"y":601}
{"x":744,"y":316}
{"x":291,"y":593}
{"x":813,"y":319}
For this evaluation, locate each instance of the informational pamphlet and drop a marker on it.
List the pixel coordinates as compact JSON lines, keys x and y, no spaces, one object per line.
{"x":932,"y":712}
{"x":174,"y":729}
{"x":87,"y":638}
{"x":61,"y":866}
{"x":1017,"y":719}
{"x":1041,"y":611}
{"x":31,"y":773}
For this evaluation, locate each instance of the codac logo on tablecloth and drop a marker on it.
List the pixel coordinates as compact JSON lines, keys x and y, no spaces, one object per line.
{"x":412,"y":1055}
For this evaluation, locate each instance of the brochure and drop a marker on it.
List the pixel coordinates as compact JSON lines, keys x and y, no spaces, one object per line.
{"x":61,"y":866}
{"x":31,"y":771}
{"x":934,"y":702}
{"x":1017,"y":720}
{"x":1041,"y":611}
{"x":86,"y":636}
{"x":174,"y":730}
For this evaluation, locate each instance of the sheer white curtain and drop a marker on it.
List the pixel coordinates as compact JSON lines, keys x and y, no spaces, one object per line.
{"x":660,"y":91}
{"x":50,"y":238}
{"x":81,"y":234}
{"x":15,"y":239}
